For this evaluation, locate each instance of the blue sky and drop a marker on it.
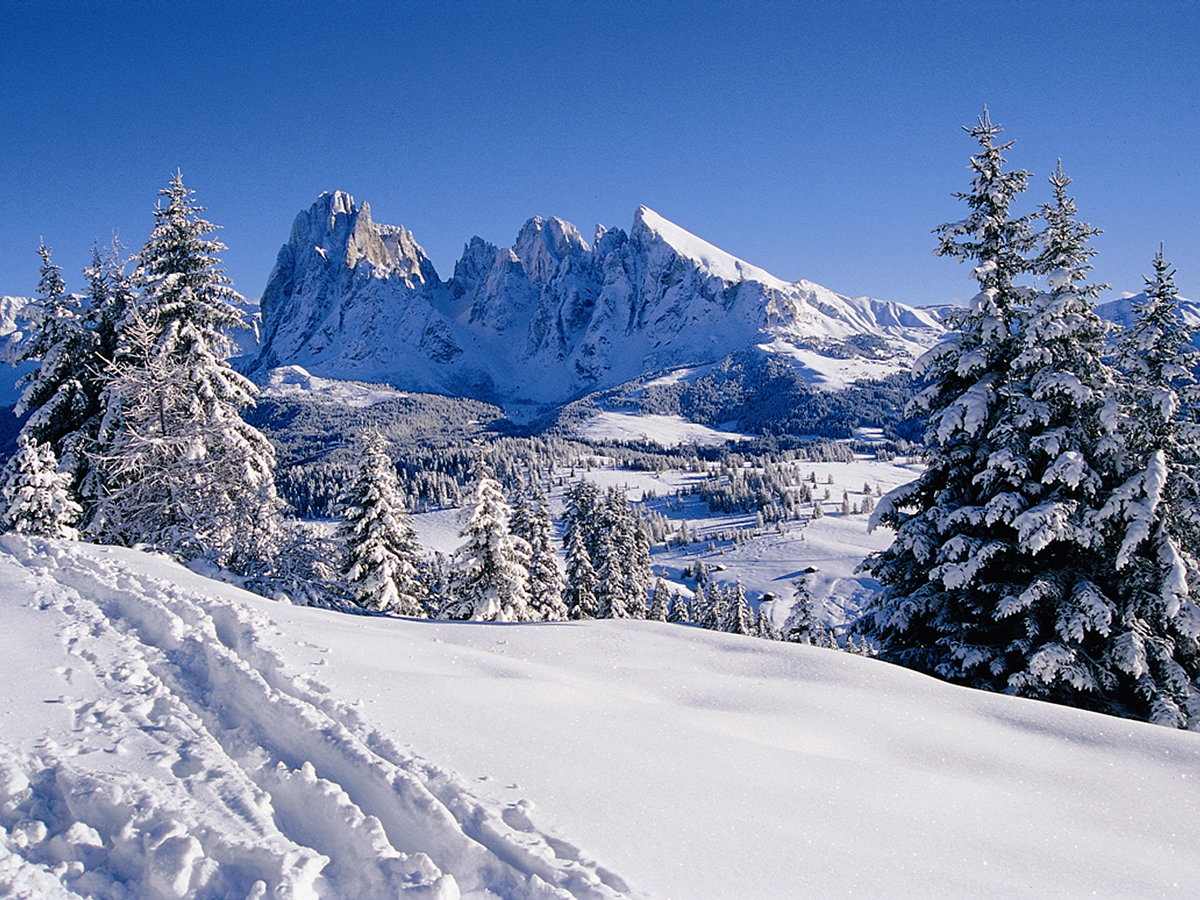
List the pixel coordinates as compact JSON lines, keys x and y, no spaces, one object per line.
{"x":816,"y":140}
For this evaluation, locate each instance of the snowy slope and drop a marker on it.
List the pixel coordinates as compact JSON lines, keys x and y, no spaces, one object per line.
{"x":168,"y":736}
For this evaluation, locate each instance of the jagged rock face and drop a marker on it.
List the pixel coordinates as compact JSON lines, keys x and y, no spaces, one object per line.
{"x":342,"y":288}
{"x":550,"y":317}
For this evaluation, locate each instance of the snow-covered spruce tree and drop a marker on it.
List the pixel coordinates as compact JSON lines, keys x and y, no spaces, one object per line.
{"x":520,"y":522}
{"x":610,"y":533}
{"x":436,"y":576}
{"x":802,"y":625}
{"x":1155,"y":514}
{"x":73,"y":343}
{"x":736,"y":617}
{"x":579,"y":594}
{"x":637,"y":583}
{"x":621,"y":559}
{"x":54,"y":396}
{"x":679,"y":612}
{"x":490,"y":581}
{"x":997,"y":575}
{"x":610,"y":578}
{"x":307,"y":571}
{"x":704,"y":606}
{"x":660,"y":604}
{"x":582,"y":511}
{"x":1063,"y":434}
{"x":35,"y":496}
{"x":382,"y":555}
{"x":177,"y":466}
{"x":764,"y":627}
{"x":545,"y":578}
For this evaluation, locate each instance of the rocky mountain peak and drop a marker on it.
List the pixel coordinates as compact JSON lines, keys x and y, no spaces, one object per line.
{"x":550,"y":317}
{"x":542,"y":244}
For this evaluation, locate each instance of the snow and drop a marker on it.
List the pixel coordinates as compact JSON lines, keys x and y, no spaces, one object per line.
{"x":295,"y":381}
{"x":666,"y":431}
{"x":719,"y":263}
{"x":165,"y":735}
{"x":831,"y":372}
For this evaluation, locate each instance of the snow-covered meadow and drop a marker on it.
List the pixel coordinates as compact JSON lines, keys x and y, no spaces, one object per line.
{"x":163,"y":735}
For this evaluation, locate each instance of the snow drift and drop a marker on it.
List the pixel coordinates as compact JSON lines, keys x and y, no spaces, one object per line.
{"x":168,"y":736}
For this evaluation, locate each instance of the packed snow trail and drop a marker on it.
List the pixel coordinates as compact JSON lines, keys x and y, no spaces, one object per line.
{"x":196,"y":769}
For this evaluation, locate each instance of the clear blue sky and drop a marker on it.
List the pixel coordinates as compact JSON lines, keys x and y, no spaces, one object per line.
{"x":816,"y":140}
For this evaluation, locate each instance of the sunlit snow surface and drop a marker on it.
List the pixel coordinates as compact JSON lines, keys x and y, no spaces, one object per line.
{"x":665,"y":431}
{"x":162,"y":735}
{"x":295,"y":381}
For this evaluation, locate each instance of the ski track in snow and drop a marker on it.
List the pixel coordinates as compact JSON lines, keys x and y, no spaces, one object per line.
{"x":204,"y":771}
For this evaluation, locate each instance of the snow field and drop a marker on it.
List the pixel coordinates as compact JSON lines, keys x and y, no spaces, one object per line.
{"x":707,"y":765}
{"x":198,"y":771}
{"x":666,"y":431}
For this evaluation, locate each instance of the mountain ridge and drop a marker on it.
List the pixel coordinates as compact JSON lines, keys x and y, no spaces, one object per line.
{"x":551,"y":317}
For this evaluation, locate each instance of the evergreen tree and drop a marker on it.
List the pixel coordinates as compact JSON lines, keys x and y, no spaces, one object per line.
{"x":583,"y":504}
{"x":73,"y":343}
{"x":610,"y":578}
{"x":613,"y":557}
{"x":54,"y":395}
{"x":660,"y":604}
{"x":1061,"y":439}
{"x":437,"y":576}
{"x":186,"y":298}
{"x":718,"y":601}
{"x":545,"y":579}
{"x":580,"y":592}
{"x":178,"y":467}
{"x":679,"y":612}
{"x":704,"y":611}
{"x":491,"y":576}
{"x":735,"y":611}
{"x":638,"y":583}
{"x":1155,"y":514}
{"x":110,"y":299}
{"x":765,"y":628}
{"x":617,"y":547}
{"x":633,"y":548}
{"x":521,"y":521}
{"x":35,"y":497}
{"x":383,"y":556}
{"x":802,"y":625}
{"x":996,"y":574}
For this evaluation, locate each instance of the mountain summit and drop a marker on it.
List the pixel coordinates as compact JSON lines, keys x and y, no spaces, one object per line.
{"x":551,"y":317}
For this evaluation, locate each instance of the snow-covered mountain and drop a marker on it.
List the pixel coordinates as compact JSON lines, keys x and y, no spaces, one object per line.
{"x":1122,"y":312}
{"x":551,"y":317}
